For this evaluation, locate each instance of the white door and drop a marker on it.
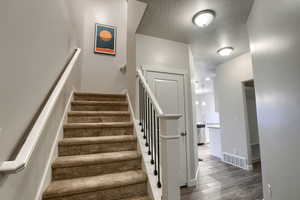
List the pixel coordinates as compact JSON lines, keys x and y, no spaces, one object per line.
{"x":169,"y":91}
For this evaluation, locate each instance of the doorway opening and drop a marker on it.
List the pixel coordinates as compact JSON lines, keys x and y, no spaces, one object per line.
{"x":208,"y":124}
{"x":254,"y":158}
{"x":252,"y":125}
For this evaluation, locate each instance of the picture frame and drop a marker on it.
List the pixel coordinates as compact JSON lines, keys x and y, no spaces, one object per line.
{"x":105,"y":39}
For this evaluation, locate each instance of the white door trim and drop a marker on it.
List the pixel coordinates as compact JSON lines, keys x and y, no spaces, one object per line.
{"x":147,"y":68}
{"x":161,"y":69}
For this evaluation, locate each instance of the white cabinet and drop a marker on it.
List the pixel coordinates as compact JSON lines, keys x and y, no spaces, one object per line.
{"x":215,"y":140}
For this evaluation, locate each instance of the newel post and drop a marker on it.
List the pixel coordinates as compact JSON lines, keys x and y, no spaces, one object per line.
{"x":169,"y":136}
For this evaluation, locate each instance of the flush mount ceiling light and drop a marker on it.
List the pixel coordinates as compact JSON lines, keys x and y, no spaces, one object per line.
{"x":226,"y":51}
{"x":204,"y":18}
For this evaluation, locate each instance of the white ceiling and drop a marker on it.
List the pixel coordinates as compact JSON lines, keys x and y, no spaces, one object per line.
{"x":172,"y":20}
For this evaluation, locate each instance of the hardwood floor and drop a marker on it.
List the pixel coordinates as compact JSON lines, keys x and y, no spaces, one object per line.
{"x":220,"y":181}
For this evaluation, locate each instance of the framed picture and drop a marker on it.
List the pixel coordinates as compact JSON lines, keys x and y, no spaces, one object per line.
{"x":105,"y":39}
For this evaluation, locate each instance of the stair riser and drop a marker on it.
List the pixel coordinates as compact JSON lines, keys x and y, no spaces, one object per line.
{"x":94,"y":132}
{"x":96,"y":148}
{"x":98,"y":98}
{"x":99,"y":107}
{"x":98,"y":119}
{"x":108,"y":194}
{"x":95,"y":169}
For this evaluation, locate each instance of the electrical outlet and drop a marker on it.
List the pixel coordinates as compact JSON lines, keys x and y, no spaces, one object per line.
{"x":269,"y":187}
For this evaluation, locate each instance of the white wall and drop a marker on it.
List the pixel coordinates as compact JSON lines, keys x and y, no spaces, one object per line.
{"x":77,"y":13}
{"x":101,"y":73}
{"x":160,"y":52}
{"x":230,"y":76}
{"x":275,"y":45}
{"x":135,"y":12}
{"x":37,"y":38}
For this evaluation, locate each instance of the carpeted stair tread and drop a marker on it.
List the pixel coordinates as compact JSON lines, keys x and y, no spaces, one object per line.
{"x":90,"y":159}
{"x":99,"y":97}
{"x":77,"y":94}
{"x":97,"y":140}
{"x":96,"y":105}
{"x":138,"y":198}
{"x":99,"y":103}
{"x":98,"y":125}
{"x":98,"y":113}
{"x":88,"y":184}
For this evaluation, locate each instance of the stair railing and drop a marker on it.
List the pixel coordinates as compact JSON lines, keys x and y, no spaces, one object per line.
{"x":160,"y":132}
{"x":23,"y":157}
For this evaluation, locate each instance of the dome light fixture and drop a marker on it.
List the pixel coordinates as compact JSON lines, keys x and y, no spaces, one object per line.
{"x":225,"y":51}
{"x":204,"y":18}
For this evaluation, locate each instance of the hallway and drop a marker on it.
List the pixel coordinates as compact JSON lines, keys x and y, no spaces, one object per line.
{"x":219,"y":181}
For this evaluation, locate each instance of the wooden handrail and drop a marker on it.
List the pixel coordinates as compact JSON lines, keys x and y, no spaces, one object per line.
{"x":23,"y":157}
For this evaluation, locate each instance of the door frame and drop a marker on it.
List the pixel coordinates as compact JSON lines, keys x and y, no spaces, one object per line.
{"x":168,"y":70}
{"x":248,"y":140}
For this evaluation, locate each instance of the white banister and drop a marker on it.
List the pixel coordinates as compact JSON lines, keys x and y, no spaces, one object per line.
{"x":23,"y":157}
{"x":151,"y":95}
{"x":168,"y":139}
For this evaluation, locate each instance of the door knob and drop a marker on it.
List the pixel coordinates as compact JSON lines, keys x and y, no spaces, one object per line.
{"x":183,"y":134}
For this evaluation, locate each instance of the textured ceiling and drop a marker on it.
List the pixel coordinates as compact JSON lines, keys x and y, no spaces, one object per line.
{"x":172,"y":20}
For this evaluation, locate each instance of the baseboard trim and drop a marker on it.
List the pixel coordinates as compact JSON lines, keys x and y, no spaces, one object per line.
{"x":153,"y":191}
{"x":46,"y":178}
{"x":192,"y":182}
{"x":250,"y":168}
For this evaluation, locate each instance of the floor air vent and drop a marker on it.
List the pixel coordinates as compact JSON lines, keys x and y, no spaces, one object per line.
{"x":235,"y":160}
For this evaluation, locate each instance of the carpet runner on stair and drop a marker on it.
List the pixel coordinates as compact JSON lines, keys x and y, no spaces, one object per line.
{"x":98,"y":157}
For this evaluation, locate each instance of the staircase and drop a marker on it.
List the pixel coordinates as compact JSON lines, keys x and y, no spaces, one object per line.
{"x":98,"y":157}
